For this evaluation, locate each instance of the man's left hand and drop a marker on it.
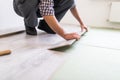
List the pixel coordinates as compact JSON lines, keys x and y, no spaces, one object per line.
{"x":84,"y":27}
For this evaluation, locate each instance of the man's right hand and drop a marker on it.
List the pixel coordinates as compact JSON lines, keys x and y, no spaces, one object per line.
{"x":70,"y":36}
{"x":54,"y":25}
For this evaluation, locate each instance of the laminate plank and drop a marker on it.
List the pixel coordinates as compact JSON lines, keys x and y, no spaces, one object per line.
{"x":34,"y":64}
{"x":42,"y":40}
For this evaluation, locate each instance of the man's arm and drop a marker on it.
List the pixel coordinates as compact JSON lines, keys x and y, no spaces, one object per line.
{"x":47,"y":11}
{"x":55,"y":26}
{"x":76,"y":15}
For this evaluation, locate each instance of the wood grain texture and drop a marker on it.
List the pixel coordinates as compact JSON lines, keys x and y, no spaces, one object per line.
{"x":34,"y":64}
{"x":30,"y":58}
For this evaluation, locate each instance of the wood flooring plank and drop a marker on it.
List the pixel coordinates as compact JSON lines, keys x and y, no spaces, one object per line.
{"x":34,"y":64}
{"x":42,"y":40}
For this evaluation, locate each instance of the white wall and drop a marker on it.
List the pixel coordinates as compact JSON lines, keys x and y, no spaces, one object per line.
{"x":8,"y":18}
{"x":93,"y":13}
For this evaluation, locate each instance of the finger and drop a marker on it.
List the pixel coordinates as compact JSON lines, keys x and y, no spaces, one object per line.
{"x":86,"y":29}
{"x":82,"y":29}
{"x":76,"y":36}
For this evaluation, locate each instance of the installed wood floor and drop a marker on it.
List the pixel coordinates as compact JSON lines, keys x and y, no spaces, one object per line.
{"x":30,"y":58}
{"x":94,"y":57}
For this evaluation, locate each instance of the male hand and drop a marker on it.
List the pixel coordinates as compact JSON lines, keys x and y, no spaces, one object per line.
{"x":84,"y":27}
{"x":70,"y":36}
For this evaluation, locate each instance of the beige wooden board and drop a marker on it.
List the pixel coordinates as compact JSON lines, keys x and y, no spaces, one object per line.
{"x":42,"y":40}
{"x":32,"y":64}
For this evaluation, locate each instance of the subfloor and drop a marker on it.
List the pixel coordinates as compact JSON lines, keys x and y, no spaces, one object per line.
{"x":96,"y":56}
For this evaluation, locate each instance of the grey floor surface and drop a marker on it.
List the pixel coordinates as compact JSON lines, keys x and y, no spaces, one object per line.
{"x":96,"y":56}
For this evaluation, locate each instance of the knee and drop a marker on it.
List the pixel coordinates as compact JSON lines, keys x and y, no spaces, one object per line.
{"x":16,"y":8}
{"x":24,"y":7}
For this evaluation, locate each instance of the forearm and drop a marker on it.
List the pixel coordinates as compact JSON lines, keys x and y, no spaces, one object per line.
{"x":54,"y":25}
{"x":76,"y":15}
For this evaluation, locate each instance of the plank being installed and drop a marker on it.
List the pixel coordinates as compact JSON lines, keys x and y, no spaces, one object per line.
{"x":42,"y":40}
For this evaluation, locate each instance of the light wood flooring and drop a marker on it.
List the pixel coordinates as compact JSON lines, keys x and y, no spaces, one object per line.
{"x":96,"y":56}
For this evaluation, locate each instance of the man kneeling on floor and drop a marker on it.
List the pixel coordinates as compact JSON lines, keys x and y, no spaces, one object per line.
{"x":52,"y":12}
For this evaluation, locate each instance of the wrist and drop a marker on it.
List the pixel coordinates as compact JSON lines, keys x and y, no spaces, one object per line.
{"x":81,"y":24}
{"x":62,"y":34}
